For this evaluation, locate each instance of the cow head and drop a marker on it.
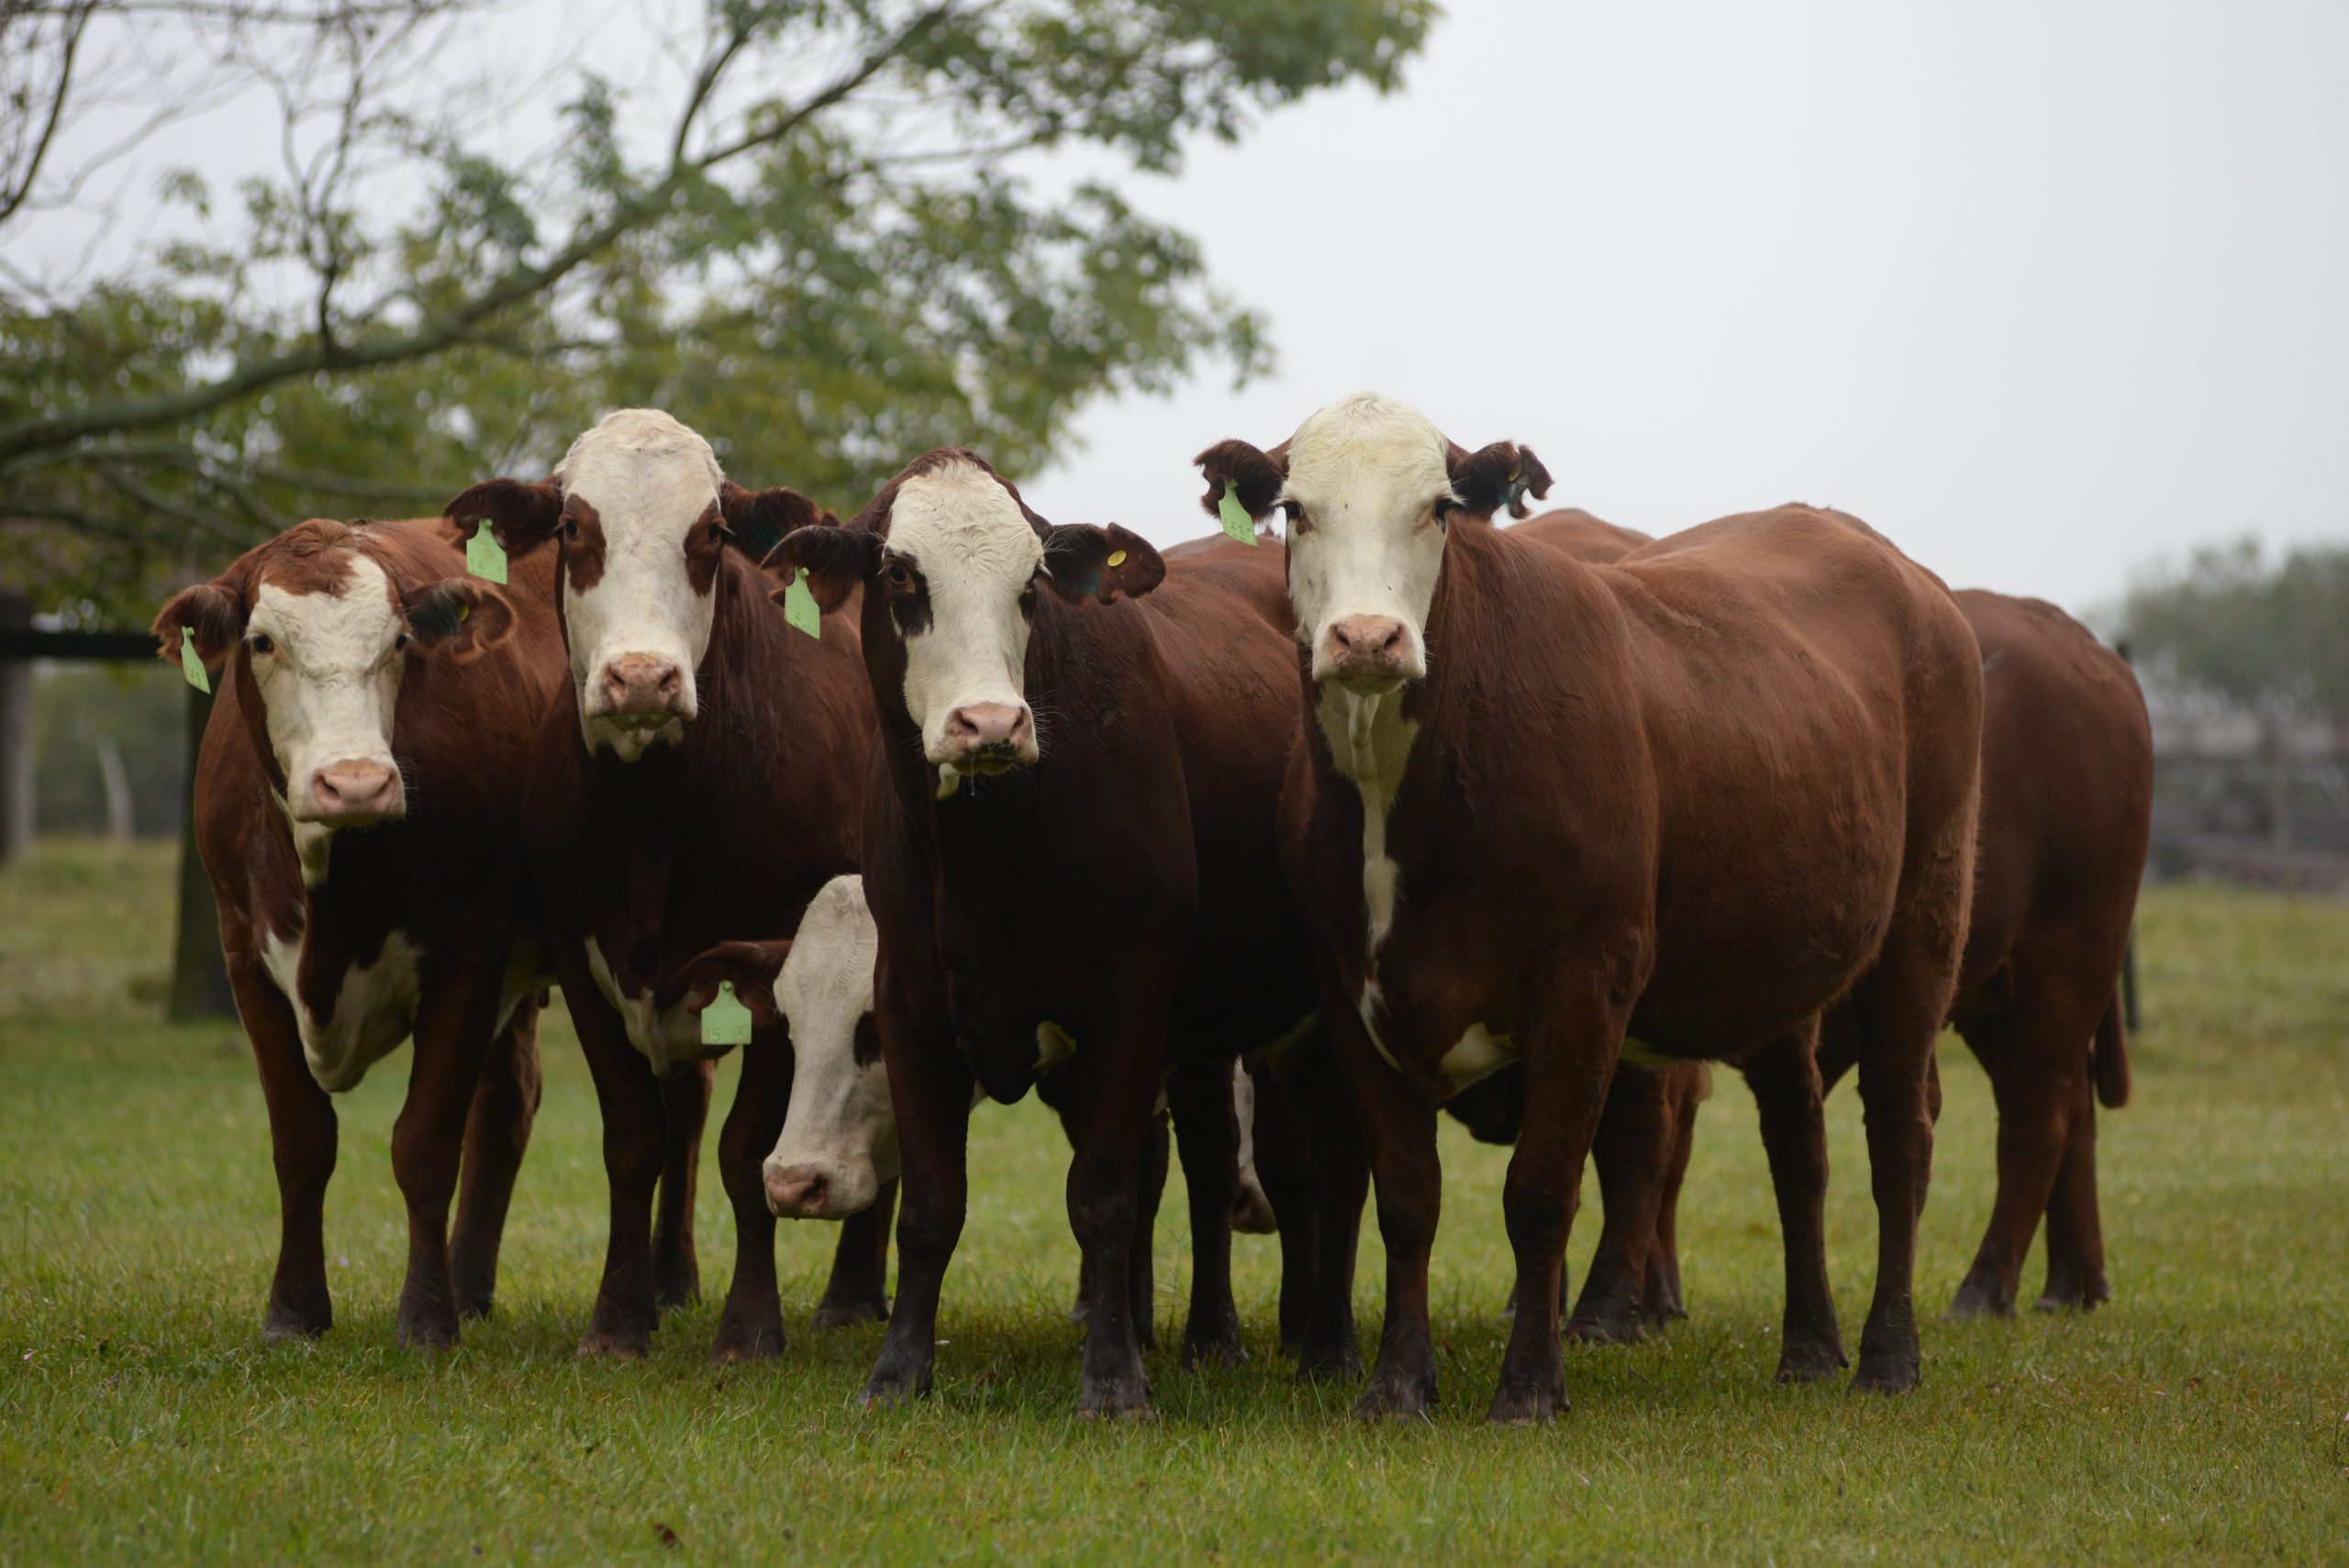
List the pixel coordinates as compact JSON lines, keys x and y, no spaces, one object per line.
{"x":1371,"y":488}
{"x":327,"y":621}
{"x":643,"y":518}
{"x":956,"y":558}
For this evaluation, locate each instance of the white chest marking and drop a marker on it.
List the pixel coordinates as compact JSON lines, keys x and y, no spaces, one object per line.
{"x":1479,"y":1054}
{"x":374,"y":1010}
{"x":670,"y":1039}
{"x":1370,"y":743}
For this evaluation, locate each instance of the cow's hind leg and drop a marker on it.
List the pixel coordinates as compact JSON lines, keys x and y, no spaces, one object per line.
{"x":498,"y":1132}
{"x":1632,"y":1151}
{"x":301,"y":1136}
{"x":1784,"y":1076}
{"x":1662,"y":1301}
{"x":858,"y":1291}
{"x":684,"y":1111}
{"x":453,"y":1027}
{"x":2076,"y":1276}
{"x":1207,"y":1124}
{"x":1285,"y":1162}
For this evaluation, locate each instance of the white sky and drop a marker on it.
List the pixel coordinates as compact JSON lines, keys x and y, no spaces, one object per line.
{"x":2045,"y":289}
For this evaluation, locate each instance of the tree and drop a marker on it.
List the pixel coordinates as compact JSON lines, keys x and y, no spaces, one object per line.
{"x":840,"y":243}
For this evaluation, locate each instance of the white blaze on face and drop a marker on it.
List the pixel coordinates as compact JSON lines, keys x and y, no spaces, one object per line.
{"x":977,"y":554}
{"x":1367,"y":472}
{"x":650,"y":480}
{"x":841,"y":1128}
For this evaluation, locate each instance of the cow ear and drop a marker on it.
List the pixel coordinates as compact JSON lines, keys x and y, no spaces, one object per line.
{"x":1498,"y":477}
{"x":835,"y":559}
{"x":1082,"y":562}
{"x":759,"y":518}
{"x":1254,"y":476}
{"x":210,"y":613}
{"x":463,"y":616}
{"x":523,"y":517}
{"x":751,"y":966}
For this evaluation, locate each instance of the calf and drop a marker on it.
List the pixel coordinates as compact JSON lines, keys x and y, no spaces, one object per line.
{"x":1555,"y":813}
{"x":1070,"y":855}
{"x":697,"y":783}
{"x":358,"y":801}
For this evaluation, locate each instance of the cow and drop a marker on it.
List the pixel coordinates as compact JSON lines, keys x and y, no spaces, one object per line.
{"x":358,"y":802}
{"x":696,"y":781}
{"x":1070,"y":856}
{"x":1559,"y":814}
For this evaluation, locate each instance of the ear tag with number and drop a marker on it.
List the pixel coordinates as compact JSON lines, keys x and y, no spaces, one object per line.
{"x":190,"y":665}
{"x":799,"y":606}
{"x":1236,"y":520}
{"x":485,"y":557}
{"x":725,"y":1021}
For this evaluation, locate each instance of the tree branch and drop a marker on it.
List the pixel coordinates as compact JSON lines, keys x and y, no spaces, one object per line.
{"x":78,"y":18}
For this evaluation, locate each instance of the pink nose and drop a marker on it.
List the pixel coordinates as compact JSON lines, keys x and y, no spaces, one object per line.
{"x":799,"y":1191}
{"x":1367,"y":645}
{"x":352,"y":790}
{"x":984,"y":727}
{"x":640,"y":683}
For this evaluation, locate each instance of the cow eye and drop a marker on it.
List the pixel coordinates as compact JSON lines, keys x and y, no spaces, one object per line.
{"x":399,"y":642}
{"x":570,"y":529}
{"x":897,"y":575}
{"x":260,"y":643}
{"x":1444,"y":507}
{"x":720,"y":533}
{"x":1295,"y":511}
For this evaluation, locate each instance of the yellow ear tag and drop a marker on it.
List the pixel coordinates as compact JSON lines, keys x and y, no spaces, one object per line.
{"x":799,"y":606}
{"x":464,"y":614}
{"x":725,"y":1021}
{"x":485,"y":557}
{"x":1236,"y":520}
{"x":190,"y":665}
{"x":1116,"y":558}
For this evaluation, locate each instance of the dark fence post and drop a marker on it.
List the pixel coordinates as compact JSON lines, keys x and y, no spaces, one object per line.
{"x":15,"y":734}
{"x":199,"y":974}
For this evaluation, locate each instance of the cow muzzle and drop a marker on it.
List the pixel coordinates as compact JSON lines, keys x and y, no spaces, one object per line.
{"x":988,"y":738}
{"x":806,"y":1190}
{"x":354,"y":792}
{"x":642,"y":691}
{"x":1368,"y":654}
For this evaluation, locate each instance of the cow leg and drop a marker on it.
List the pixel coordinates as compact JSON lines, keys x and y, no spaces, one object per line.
{"x":930,"y":1090}
{"x":1784,"y":1076}
{"x":301,"y":1136}
{"x":1661,"y":1301}
{"x":1112,"y":1090}
{"x":1207,"y":1122}
{"x":1632,"y":1148}
{"x":629,"y":1096}
{"x":751,"y":1326}
{"x":1568,"y":1052}
{"x":1400,"y":1129}
{"x":1283,"y":1168}
{"x":497,"y":1131}
{"x":1331,"y":1347}
{"x":2075,"y":1274}
{"x":1142,"y":1275}
{"x":684,"y":1110}
{"x":453,"y":1026}
{"x":858,"y":1289}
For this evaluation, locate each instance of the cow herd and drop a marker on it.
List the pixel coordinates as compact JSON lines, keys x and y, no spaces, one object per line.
{"x":1286,"y":838}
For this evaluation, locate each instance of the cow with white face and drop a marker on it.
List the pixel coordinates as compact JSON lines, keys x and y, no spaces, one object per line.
{"x":358,"y":803}
{"x":703,"y":781}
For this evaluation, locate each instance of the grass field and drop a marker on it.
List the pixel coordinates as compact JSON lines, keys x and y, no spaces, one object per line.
{"x":2204,"y":1414}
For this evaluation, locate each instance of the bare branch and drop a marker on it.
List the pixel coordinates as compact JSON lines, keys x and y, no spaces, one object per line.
{"x":77,"y":19}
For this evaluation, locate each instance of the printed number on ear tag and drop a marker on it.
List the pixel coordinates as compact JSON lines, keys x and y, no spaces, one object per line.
{"x":190,"y":665}
{"x":1236,"y":520}
{"x":485,"y":557}
{"x":799,"y":606}
{"x":725,"y":1021}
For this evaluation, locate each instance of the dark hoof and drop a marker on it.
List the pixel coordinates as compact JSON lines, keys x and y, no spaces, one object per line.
{"x":847,"y":1314}
{"x":1885,"y":1375}
{"x":676,"y":1281}
{"x":1804,"y":1361}
{"x":743,"y":1340}
{"x":2071,"y":1295}
{"x":1329,"y":1364}
{"x":615,"y":1338}
{"x":890,"y":1388}
{"x":472,"y":1304}
{"x":287,"y":1322}
{"x":1223,"y":1349}
{"x":1617,"y":1329}
{"x":1396,"y":1399}
{"x":428,"y":1329}
{"x":1978,"y":1296}
{"x":1526,"y":1405}
{"x":1120,"y":1398}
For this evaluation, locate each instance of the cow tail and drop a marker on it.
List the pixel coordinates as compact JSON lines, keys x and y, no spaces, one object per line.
{"x":2113,"y":1056}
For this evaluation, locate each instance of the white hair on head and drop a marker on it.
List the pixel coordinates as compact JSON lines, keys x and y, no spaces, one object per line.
{"x":1363,"y":437}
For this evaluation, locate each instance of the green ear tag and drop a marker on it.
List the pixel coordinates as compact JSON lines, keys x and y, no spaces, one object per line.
{"x":1236,"y":520}
{"x":725,"y":1021}
{"x":485,"y":557}
{"x":799,"y":606}
{"x":190,"y":665}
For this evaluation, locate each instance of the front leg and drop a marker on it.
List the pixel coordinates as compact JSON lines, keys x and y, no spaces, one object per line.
{"x":497,"y":1133}
{"x":301,"y":1136}
{"x":684,"y":1111}
{"x":1113,"y":1089}
{"x":930,"y":1090}
{"x":629,"y":1096}
{"x":1206,"y":1126}
{"x":858,"y":1291}
{"x":750,"y":1328}
{"x":1401,"y":1128}
{"x":453,"y":1023}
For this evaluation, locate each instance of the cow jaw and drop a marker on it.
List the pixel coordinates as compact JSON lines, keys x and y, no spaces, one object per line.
{"x":1365,"y":475}
{"x":978,"y":556}
{"x":327,"y":662}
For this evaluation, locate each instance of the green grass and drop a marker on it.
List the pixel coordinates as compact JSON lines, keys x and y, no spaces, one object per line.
{"x":141,"y":1417}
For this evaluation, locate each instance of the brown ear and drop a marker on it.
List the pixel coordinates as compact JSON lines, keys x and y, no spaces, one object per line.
{"x":751,"y":966}
{"x":1254,"y":476}
{"x":759,"y":518}
{"x":463,"y":616}
{"x":835,"y":559}
{"x":1498,"y":477}
{"x":213,"y":614}
{"x":1082,"y":562}
{"x":523,"y":517}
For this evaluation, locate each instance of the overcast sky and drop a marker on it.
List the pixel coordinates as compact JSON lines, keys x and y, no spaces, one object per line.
{"x":2046,"y":291}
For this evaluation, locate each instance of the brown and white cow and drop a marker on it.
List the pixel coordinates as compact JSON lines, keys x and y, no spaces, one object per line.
{"x":702,"y":779}
{"x":358,"y":802}
{"x":1550,"y":813}
{"x":1070,"y":855}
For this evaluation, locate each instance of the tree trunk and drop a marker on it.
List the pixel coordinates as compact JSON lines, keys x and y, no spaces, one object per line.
{"x":199,"y":974}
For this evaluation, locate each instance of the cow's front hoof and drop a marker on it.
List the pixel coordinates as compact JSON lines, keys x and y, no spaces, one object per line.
{"x":1886,"y":1373}
{"x":1123,"y":1398}
{"x":893,"y":1384}
{"x":1806,"y":1358}
{"x":747,"y":1337}
{"x":619,"y":1336}
{"x":848,"y":1312}
{"x":676,"y":1282}
{"x":428,"y":1327}
{"x":1612,"y":1326}
{"x":1320,"y":1361}
{"x":1525,"y":1404}
{"x":1982,"y":1296}
{"x":288,"y":1321}
{"x":1398,"y":1398}
{"x":2073,"y":1291}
